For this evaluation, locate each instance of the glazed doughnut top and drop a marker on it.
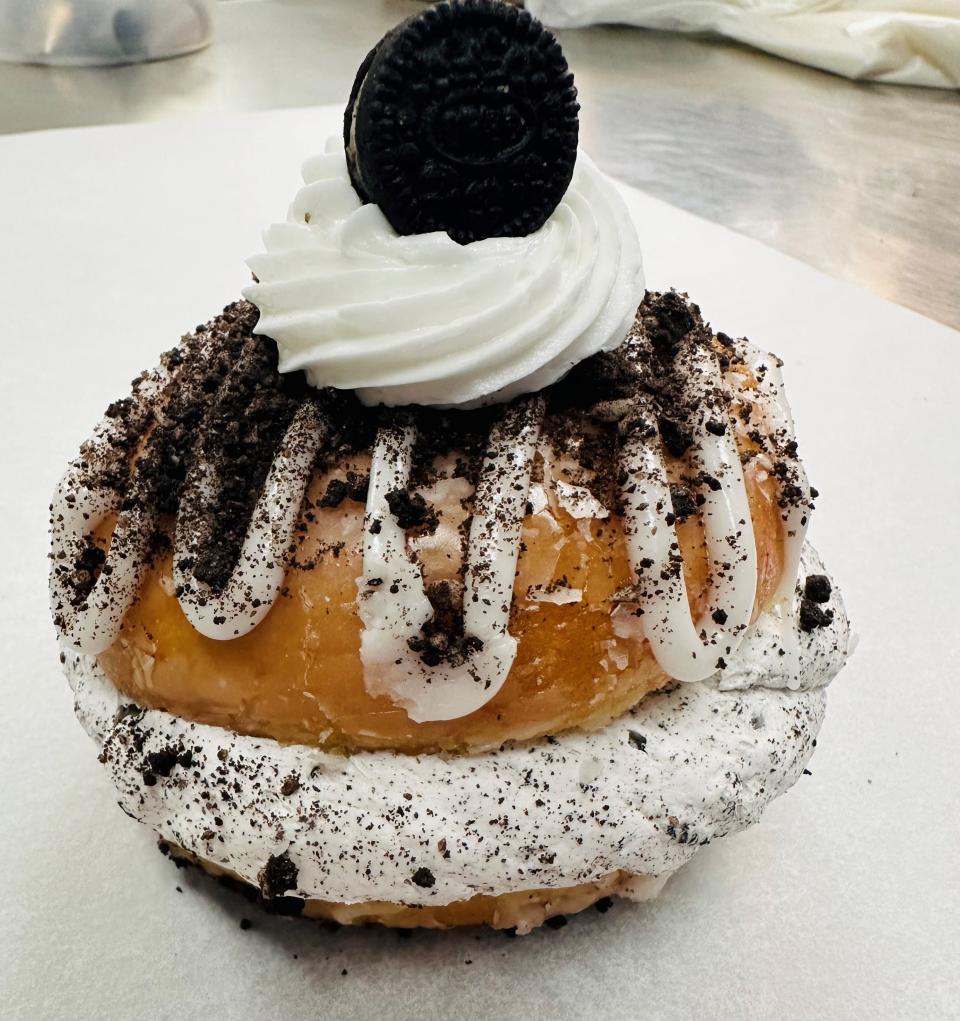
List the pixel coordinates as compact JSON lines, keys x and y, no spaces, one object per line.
{"x":220,"y":466}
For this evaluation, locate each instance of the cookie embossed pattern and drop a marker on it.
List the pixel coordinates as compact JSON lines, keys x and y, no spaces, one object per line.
{"x":449,"y":578}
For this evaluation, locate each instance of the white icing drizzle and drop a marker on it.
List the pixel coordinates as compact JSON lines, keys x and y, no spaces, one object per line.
{"x":685,"y":649}
{"x":579,"y":502}
{"x":776,"y":413}
{"x":76,"y":511}
{"x":95,"y":623}
{"x":258,"y":576}
{"x":778,"y":652}
{"x":393,"y":604}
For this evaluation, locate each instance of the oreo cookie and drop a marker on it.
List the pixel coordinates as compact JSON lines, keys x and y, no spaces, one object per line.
{"x":464,"y":119}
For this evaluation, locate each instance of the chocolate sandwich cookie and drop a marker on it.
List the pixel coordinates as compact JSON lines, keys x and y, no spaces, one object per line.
{"x":464,"y":119}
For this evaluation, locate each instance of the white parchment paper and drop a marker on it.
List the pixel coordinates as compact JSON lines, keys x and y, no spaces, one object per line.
{"x":843,"y":903}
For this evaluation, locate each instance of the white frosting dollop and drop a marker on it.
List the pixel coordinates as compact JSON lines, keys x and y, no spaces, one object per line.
{"x":420,"y":319}
{"x":643,"y":794}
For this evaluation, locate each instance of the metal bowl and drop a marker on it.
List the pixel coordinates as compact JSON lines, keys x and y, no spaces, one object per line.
{"x":90,"y":32}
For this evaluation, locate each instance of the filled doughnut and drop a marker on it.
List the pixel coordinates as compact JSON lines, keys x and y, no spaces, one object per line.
{"x":449,"y":577}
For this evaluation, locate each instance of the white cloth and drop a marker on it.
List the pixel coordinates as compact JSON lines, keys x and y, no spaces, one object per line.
{"x":908,"y":42}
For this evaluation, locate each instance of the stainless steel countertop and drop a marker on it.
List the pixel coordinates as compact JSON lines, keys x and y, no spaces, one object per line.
{"x":859,"y":180}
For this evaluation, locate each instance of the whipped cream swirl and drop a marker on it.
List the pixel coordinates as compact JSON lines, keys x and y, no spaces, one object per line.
{"x":420,"y":319}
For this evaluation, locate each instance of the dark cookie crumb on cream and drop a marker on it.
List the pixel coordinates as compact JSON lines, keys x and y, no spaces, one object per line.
{"x":278,"y":876}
